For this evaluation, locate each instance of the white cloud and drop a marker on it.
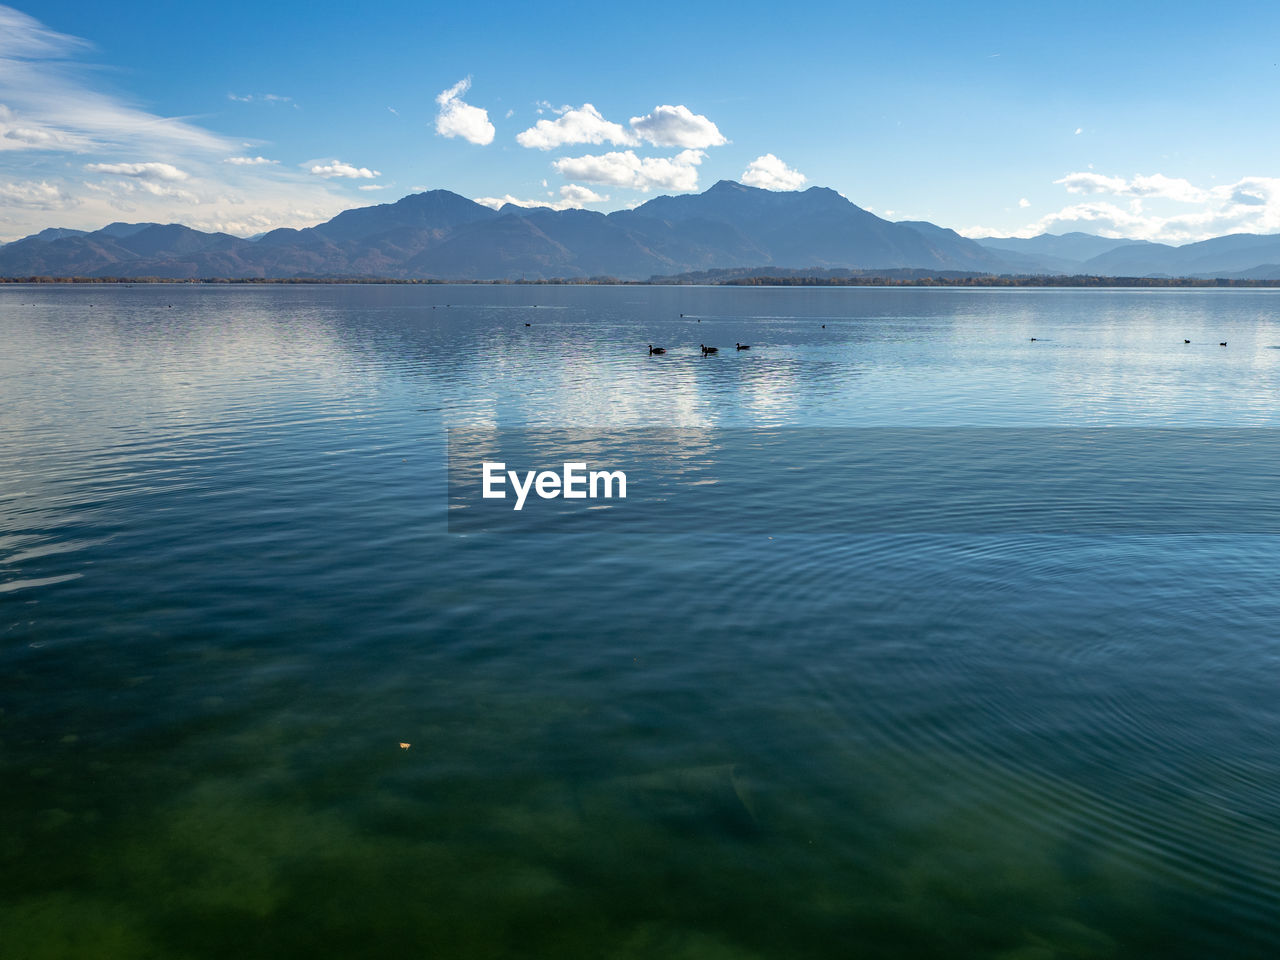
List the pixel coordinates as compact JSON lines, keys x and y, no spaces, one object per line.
{"x":625,"y":169}
{"x":33,"y":138}
{"x":52,"y":105}
{"x":27,"y":38}
{"x":243,"y":202}
{"x":143,"y":171}
{"x":579,"y":195}
{"x":25,"y":133}
{"x":1024,"y":203}
{"x":201,"y":205}
{"x":677,"y":126}
{"x":1104,"y":218}
{"x":38,"y":195}
{"x":575,"y":125}
{"x":336,"y":168}
{"x":572,"y":197}
{"x":666,"y":126}
{"x":1251,"y":191}
{"x":1092,"y":183}
{"x":249,"y":161}
{"x":1171,"y":188}
{"x":497,"y":202}
{"x":458,"y":119}
{"x":373,"y":186}
{"x":1079,"y":130}
{"x":125,"y":190}
{"x":1154,"y":185}
{"x":272,"y":98}
{"x":1159,"y":208}
{"x":772,"y":174}
{"x":49,"y":106}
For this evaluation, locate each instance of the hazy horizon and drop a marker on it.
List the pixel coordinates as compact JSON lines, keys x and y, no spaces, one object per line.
{"x":1105,"y":234}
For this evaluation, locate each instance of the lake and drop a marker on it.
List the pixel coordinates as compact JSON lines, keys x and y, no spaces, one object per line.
{"x":261,"y":694}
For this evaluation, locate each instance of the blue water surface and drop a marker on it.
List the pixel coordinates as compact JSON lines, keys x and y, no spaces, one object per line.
{"x":257,"y":700}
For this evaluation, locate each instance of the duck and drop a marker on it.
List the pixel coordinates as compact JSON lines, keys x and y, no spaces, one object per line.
{"x":1186,"y":341}
{"x":1223,"y":343}
{"x":653,"y":349}
{"x":706,"y":349}
{"x":528,"y":324}
{"x":743,"y":346}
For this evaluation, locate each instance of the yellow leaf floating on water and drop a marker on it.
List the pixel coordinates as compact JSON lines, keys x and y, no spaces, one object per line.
{"x":404,"y":746}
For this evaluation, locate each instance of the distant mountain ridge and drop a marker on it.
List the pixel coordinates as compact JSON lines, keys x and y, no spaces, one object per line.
{"x":1077,"y":247}
{"x":443,"y":236}
{"x":1236,"y":254}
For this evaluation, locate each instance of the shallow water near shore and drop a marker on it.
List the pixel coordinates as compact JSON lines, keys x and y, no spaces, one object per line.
{"x":229,"y":593}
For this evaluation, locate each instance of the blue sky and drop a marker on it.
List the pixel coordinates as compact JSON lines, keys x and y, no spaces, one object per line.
{"x":1152,"y":121}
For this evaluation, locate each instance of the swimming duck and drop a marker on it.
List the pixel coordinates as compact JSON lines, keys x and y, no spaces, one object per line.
{"x":653,"y":349}
{"x":706,"y":349}
{"x":743,"y":346}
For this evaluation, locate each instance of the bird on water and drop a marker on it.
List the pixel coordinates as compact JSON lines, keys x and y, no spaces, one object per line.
{"x":706,"y":349}
{"x":743,"y":346}
{"x":653,"y":349}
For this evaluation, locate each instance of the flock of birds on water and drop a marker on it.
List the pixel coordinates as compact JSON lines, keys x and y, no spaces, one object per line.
{"x":706,"y":351}
{"x":1221,"y":343}
{"x":656,"y":351}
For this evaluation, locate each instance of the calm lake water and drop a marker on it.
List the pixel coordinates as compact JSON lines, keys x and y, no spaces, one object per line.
{"x":229,"y":593}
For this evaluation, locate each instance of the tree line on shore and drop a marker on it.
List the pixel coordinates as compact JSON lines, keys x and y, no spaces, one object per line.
{"x":760,"y":280}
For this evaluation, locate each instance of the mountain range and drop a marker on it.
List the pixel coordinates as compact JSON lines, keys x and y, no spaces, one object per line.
{"x":443,"y":236}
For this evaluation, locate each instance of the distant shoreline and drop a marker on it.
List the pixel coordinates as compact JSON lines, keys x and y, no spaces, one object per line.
{"x":764,"y":280}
